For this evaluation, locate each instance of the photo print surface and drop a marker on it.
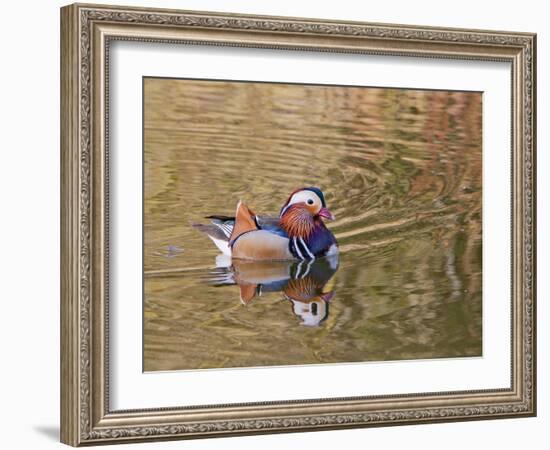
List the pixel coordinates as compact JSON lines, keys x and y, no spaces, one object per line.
{"x":294,"y":224}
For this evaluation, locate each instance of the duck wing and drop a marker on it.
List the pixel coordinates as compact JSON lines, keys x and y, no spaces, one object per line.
{"x":271,"y":224}
{"x":225,"y":224}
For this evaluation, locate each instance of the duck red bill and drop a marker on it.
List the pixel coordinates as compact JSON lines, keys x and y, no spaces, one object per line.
{"x":324,"y":212}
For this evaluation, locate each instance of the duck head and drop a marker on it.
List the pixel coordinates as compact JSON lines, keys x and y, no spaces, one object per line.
{"x":304,"y":209}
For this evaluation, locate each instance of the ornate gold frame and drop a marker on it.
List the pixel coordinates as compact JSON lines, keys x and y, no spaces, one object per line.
{"x":86,"y":31}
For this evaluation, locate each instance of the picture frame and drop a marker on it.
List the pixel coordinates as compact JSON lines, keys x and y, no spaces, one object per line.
{"x":87,"y":33}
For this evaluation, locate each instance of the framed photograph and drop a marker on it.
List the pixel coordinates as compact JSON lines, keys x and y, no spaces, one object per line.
{"x":275,"y":224}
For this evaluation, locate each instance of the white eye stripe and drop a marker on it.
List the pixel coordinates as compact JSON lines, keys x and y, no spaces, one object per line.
{"x":305,"y":197}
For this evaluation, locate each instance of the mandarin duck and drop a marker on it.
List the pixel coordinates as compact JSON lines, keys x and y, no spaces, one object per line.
{"x":298,"y":233}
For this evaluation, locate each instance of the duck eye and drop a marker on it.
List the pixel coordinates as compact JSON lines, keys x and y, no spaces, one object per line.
{"x":309,"y":201}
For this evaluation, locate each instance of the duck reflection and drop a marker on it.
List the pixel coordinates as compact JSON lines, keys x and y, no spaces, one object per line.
{"x":307,"y":285}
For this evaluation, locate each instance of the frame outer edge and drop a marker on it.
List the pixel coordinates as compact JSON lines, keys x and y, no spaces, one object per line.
{"x":69,"y":338}
{"x":79,"y":391}
{"x":535,"y":374}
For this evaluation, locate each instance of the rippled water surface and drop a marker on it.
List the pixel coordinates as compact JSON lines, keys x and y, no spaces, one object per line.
{"x":400,"y":169}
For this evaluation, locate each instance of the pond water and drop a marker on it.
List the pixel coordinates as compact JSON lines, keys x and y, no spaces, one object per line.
{"x":400,"y":169}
